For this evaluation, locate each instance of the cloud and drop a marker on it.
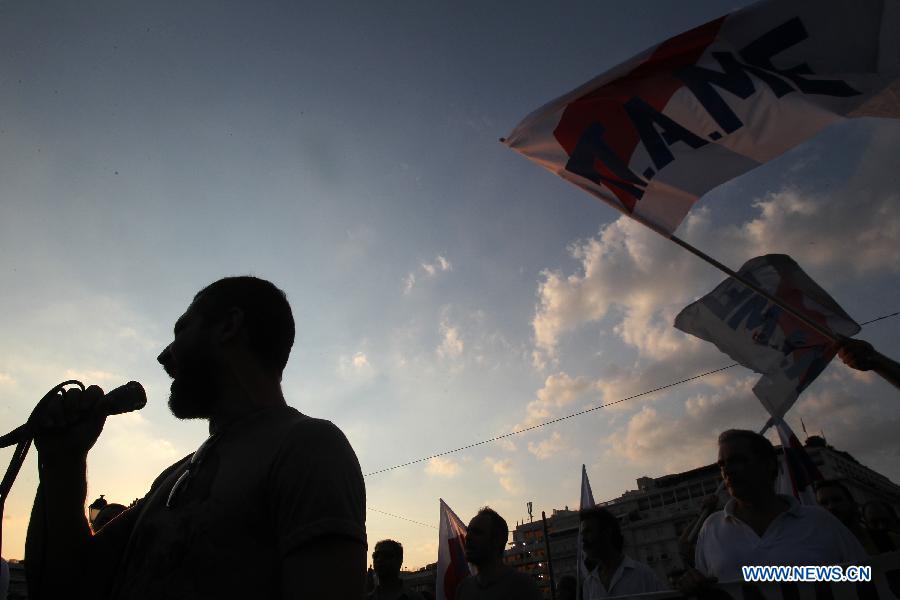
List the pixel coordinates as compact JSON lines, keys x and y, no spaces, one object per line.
{"x":7,"y":379}
{"x":858,"y":417}
{"x":503,"y":468}
{"x":640,"y":280}
{"x":564,"y":394}
{"x":409,"y":282}
{"x":355,"y":366}
{"x":559,"y":390}
{"x":428,"y":270}
{"x":442,"y":467}
{"x":95,"y":376}
{"x":507,"y":444}
{"x":852,"y":413}
{"x":440,"y":264}
{"x":664,"y":438}
{"x":620,"y":270}
{"x":451,"y":345}
{"x":547,"y":447}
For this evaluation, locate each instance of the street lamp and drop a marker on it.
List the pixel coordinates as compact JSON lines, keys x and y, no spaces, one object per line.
{"x":95,"y":508}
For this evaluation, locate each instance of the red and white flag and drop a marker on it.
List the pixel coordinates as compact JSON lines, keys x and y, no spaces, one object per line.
{"x":452,"y":567}
{"x":762,"y":336}
{"x":652,"y":135}
{"x":586,"y":502}
{"x":800,"y":473}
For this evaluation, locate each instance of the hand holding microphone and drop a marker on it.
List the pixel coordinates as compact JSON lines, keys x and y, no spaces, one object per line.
{"x":66,"y":425}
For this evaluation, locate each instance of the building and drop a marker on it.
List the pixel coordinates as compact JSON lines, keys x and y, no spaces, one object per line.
{"x":421,"y":580}
{"x":527,"y":552}
{"x":655,"y":514}
{"x":18,"y":588}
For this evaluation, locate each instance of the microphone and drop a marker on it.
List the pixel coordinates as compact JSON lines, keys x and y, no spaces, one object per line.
{"x":123,"y":399}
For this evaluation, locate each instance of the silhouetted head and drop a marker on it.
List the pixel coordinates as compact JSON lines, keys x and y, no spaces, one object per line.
{"x":486,"y":537}
{"x":107,"y":514}
{"x":601,"y":535}
{"x":243,"y":321}
{"x":833,"y":496}
{"x":748,"y":463}
{"x":387,"y":558}
{"x":879,"y":516}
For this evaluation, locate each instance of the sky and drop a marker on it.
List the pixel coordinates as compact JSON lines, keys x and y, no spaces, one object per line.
{"x":445,"y":290}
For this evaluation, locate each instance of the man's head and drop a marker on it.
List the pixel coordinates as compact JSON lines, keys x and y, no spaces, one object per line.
{"x":486,"y":537}
{"x":243,"y":321}
{"x":107,"y":514}
{"x":748,"y":463}
{"x":833,"y":496}
{"x":879,"y":516}
{"x":387,"y":558}
{"x":601,"y":536}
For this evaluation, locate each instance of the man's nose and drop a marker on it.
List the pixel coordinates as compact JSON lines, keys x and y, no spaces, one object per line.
{"x":165,"y":356}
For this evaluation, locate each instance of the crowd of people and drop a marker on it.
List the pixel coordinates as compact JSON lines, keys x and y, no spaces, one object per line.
{"x":280,"y":495}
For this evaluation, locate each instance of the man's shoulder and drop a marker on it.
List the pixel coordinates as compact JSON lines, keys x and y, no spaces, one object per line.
{"x":287,"y":428}
{"x":319,"y":436}
{"x":638,"y":566}
{"x":647,"y":576}
{"x":817,"y":513}
{"x":715,"y":521}
{"x":295,"y":423}
{"x":519,"y":583}
{"x":819,"y":519}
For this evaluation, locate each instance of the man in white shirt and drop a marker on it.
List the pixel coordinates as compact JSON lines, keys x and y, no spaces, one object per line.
{"x":760,"y":527}
{"x":615,"y":573}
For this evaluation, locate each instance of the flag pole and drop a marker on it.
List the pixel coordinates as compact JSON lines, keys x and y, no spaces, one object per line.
{"x":771,"y":298}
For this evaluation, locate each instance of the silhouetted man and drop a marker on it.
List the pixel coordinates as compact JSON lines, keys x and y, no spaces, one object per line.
{"x":387,"y":558}
{"x":485,"y":541}
{"x":272,"y":505}
{"x":615,"y":573}
{"x":759,"y":527}
{"x":107,"y":514}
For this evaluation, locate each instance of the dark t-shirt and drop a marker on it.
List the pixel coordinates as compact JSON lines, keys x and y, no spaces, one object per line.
{"x":267,"y":485}
{"x":512,"y":585}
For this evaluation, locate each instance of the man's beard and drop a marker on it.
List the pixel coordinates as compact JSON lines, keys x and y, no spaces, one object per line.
{"x":194,"y":389}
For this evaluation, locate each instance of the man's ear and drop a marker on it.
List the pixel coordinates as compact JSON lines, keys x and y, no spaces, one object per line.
{"x":229,"y":325}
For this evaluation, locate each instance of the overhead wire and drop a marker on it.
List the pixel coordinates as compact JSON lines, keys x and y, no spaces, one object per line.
{"x":559,"y":419}
{"x":551,"y":422}
{"x":399,"y":517}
